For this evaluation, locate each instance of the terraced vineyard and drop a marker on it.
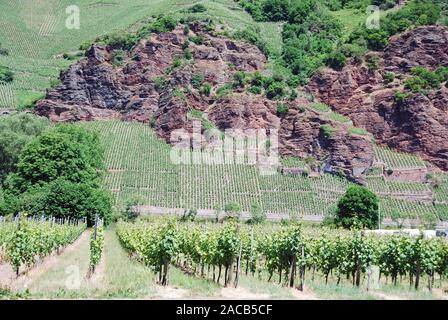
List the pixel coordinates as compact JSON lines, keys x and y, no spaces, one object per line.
{"x":35,"y":34}
{"x":139,"y":165}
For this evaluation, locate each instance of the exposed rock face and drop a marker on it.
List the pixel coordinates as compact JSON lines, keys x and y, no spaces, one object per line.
{"x":419,"y":124}
{"x":95,"y":88}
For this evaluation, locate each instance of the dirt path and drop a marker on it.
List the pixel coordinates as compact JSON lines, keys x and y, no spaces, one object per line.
{"x":8,"y":277}
{"x":384,"y":296}
{"x":35,"y":278}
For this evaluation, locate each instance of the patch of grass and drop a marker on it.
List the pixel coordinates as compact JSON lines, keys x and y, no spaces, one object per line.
{"x":27,"y":99}
{"x":321,"y":107}
{"x":358,"y":131}
{"x":339,"y":117}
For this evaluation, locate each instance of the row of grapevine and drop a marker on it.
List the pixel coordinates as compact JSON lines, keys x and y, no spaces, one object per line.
{"x":396,"y":160}
{"x":96,"y":244}
{"x":288,"y":252}
{"x":25,"y":241}
{"x":139,"y":165}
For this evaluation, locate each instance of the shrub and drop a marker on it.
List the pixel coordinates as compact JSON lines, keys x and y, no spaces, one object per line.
{"x":197,"y":8}
{"x":255,"y":89}
{"x":232,"y":210}
{"x":326,"y":131}
{"x":275,"y":90}
{"x":198,"y":40}
{"x":389,"y":77}
{"x":257,"y":214}
{"x":160,"y":83}
{"x":186,"y":30}
{"x":282,"y":109}
{"x":239,"y":79}
{"x":206,"y":89}
{"x":187,"y":54}
{"x":373,"y":62}
{"x":224,"y":90}
{"x":197,"y":80}
{"x":358,"y":207}
{"x":252,"y":35}
{"x":400,"y":97}
{"x":336,"y":60}
{"x":189,"y":215}
{"x":6,"y":75}
{"x":16,"y":130}
{"x":118,"y":57}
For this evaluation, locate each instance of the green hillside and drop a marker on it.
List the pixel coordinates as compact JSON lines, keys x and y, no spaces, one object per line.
{"x":35,"y":35}
{"x":139,"y":166}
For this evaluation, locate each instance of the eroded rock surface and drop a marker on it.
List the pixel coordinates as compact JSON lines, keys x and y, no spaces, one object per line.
{"x":419,"y":124}
{"x":147,"y":88}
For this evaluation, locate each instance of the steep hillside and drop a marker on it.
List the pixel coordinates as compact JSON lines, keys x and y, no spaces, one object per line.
{"x":404,"y":106}
{"x":175,"y":77}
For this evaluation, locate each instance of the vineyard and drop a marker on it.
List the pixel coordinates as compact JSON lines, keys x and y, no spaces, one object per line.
{"x":293,"y":255}
{"x":35,"y":34}
{"x":25,"y":241}
{"x":139,"y":165}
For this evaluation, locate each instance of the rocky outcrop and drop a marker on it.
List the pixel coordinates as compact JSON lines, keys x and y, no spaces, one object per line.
{"x":149,"y":87}
{"x":419,"y":124}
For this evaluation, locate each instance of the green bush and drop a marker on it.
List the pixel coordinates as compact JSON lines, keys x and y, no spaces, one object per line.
{"x":6,"y":75}
{"x":336,"y":60}
{"x":66,"y":151}
{"x":17,"y":130}
{"x":255,"y":89}
{"x":160,"y":82}
{"x":326,"y":131}
{"x":197,"y":80}
{"x":389,"y":77}
{"x":239,"y":79}
{"x":118,"y":57}
{"x":198,"y":40}
{"x":400,"y":97}
{"x":197,"y":8}
{"x":257,"y":214}
{"x":276,"y":90}
{"x":358,"y":208}
{"x":187,"y":54}
{"x":206,"y":89}
{"x":252,"y":35}
{"x":282,"y":109}
{"x":224,"y":90}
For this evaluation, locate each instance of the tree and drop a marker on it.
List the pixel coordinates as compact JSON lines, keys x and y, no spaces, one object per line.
{"x":6,"y":75}
{"x":66,"y":151}
{"x":358,"y":207}
{"x":16,"y":130}
{"x":258,"y":215}
{"x":232,"y":210}
{"x":61,"y":199}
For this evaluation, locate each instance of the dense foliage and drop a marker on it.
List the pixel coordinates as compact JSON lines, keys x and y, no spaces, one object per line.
{"x":32,"y":240}
{"x":6,"y":75}
{"x":415,"y":13}
{"x":58,"y":175}
{"x":312,"y":36}
{"x":16,"y":130}
{"x":288,"y":251}
{"x":358,"y":207}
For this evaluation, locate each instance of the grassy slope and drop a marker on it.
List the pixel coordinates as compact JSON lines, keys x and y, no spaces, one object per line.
{"x":34,"y":32}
